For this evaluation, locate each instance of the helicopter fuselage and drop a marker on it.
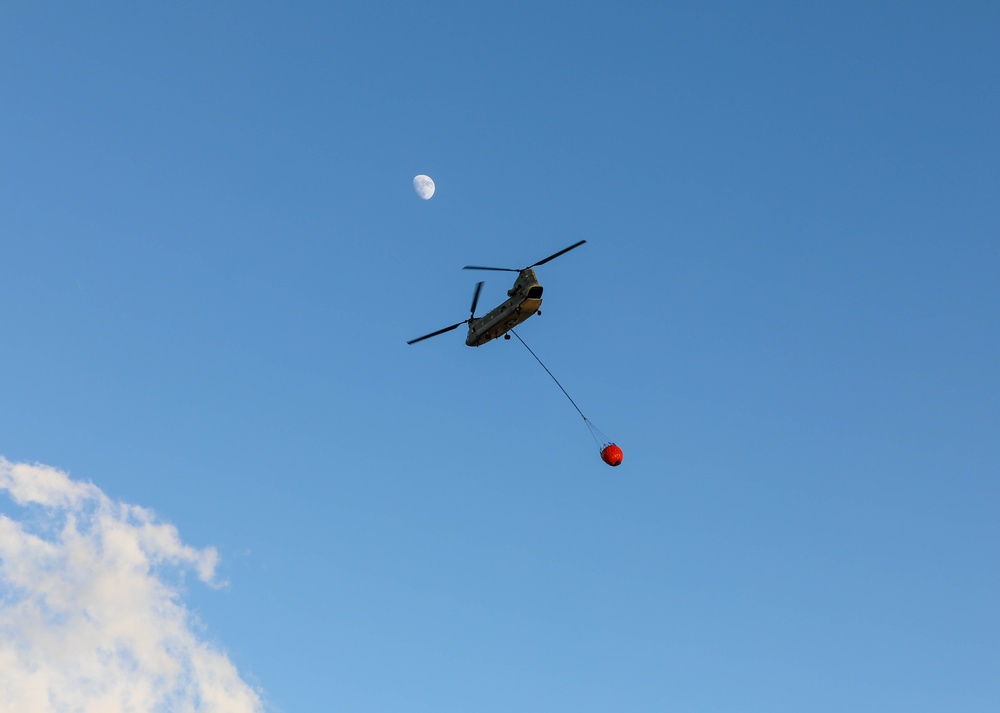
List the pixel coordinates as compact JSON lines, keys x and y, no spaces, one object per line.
{"x":525,"y":299}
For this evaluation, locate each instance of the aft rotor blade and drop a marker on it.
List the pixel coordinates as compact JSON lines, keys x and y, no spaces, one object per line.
{"x":553,"y":257}
{"x":440,"y":331}
{"x":499,"y":269}
{"x":475,"y":298}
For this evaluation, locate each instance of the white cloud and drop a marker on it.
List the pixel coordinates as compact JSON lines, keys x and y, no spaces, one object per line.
{"x":89,"y":621}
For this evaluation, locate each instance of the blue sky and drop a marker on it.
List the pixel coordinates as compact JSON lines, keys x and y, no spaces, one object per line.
{"x":786,"y":314}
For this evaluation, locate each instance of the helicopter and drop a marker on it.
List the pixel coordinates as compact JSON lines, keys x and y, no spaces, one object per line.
{"x":525,"y":300}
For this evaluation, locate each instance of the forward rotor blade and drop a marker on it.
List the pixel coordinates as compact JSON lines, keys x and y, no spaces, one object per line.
{"x":553,"y":257}
{"x":440,"y":331}
{"x":499,"y":269}
{"x":475,"y":298}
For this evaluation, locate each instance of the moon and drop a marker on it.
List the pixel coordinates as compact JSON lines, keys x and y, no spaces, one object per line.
{"x":424,"y":186}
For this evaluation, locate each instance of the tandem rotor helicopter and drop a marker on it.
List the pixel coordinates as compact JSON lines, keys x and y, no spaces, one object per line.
{"x":524,"y":300}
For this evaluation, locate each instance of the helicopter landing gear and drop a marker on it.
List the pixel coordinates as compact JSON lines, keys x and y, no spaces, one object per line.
{"x":506,"y":337}
{"x":539,"y":313}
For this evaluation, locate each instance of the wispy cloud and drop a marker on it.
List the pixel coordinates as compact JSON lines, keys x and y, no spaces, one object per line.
{"x":89,"y":618}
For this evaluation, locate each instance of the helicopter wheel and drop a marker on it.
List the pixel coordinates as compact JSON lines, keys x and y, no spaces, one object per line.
{"x":539,"y":313}
{"x":506,"y":337}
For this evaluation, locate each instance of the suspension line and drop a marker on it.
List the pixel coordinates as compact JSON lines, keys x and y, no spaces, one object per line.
{"x":595,"y":432}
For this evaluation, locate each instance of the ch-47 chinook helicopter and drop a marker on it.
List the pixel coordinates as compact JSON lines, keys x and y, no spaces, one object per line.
{"x":525,"y":299}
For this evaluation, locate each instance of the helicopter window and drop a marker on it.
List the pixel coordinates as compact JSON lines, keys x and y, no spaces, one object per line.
{"x":534,"y":292}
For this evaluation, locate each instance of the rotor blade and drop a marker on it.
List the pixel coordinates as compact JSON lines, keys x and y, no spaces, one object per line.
{"x":499,"y":269}
{"x":440,"y":331}
{"x":553,"y":257}
{"x":475,"y":298}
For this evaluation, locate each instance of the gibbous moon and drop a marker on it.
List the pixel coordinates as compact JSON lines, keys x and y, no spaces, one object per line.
{"x":424,"y":186}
